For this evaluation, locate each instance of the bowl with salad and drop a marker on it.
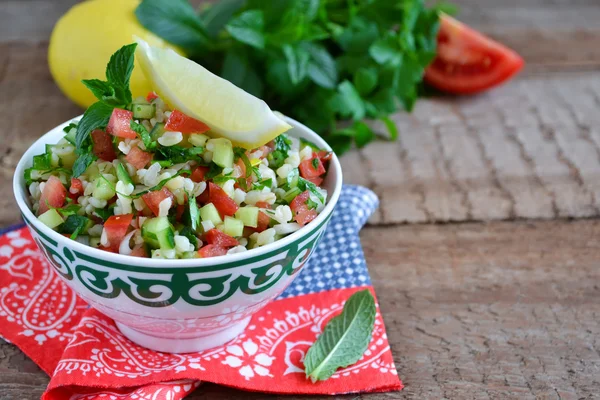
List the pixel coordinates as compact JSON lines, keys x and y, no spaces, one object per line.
{"x":181,"y":213}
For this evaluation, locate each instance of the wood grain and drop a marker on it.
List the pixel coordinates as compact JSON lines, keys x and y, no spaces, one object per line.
{"x":504,"y":310}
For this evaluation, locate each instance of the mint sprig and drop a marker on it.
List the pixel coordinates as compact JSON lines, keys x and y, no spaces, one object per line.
{"x":112,"y":93}
{"x":344,"y":339}
{"x":319,"y":61}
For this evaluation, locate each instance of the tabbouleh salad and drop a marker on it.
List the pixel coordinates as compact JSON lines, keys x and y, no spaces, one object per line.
{"x":150,"y":181}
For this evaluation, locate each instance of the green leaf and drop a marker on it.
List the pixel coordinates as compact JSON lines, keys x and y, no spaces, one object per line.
{"x":194,"y":213}
{"x":175,"y":21}
{"x":82,"y":162}
{"x":95,"y":117}
{"x":238,"y":70}
{"x":349,"y":101}
{"x":321,"y":67}
{"x":297,"y":62}
{"x":248,"y":28}
{"x":391,"y":127}
{"x":345,"y":338}
{"x":384,"y":101}
{"x":118,"y":72}
{"x":143,"y":134}
{"x":74,"y":224}
{"x":365,"y":80}
{"x":103,"y":91}
{"x":215,"y":17}
{"x":363,"y":134}
{"x":446,"y":8}
{"x":386,"y":51}
{"x":358,"y":36}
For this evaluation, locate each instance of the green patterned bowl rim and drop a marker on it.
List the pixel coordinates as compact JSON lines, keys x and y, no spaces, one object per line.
{"x":260,"y":253}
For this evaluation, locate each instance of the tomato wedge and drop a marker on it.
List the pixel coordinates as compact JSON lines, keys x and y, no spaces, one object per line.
{"x":138,"y":157}
{"x":224,"y":204}
{"x":102,"y":145}
{"x":179,"y":122}
{"x":212,"y":250}
{"x":302,"y":214}
{"x":218,"y":238}
{"x":119,"y":124}
{"x":198,"y":174}
{"x":53,"y":195}
{"x":469,"y":62}
{"x":153,"y":199}
{"x":116,"y":227}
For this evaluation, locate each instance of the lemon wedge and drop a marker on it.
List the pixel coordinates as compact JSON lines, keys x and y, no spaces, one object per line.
{"x":229,"y":111}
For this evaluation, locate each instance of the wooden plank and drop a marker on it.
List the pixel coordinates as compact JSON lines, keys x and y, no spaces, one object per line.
{"x":491,"y":311}
{"x":548,"y":33}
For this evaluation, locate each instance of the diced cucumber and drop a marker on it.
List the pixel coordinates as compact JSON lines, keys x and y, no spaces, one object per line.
{"x":92,"y":172}
{"x":70,"y":135}
{"x":248,"y":215}
{"x":198,"y":139}
{"x":51,"y":218}
{"x":123,"y":175}
{"x":159,"y":233}
{"x":83,"y":239}
{"x":233,"y":227}
{"x":157,"y":131}
{"x":209,"y":213}
{"x":103,"y":189}
{"x":291,"y":194}
{"x":68,"y":159}
{"x":144,"y":111}
{"x":94,"y":241}
{"x":223,"y":152}
{"x":189,"y":254}
{"x":140,"y":100}
{"x":41,"y":162}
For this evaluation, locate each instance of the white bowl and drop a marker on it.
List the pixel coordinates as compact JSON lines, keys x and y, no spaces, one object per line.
{"x":178,"y":306}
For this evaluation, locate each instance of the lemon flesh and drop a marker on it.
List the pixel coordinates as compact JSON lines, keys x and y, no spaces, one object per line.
{"x":229,"y":111}
{"x":84,"y":39}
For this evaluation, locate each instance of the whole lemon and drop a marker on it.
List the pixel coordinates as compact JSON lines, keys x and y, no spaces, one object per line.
{"x":84,"y":39}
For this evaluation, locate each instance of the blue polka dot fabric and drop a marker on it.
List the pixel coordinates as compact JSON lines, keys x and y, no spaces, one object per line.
{"x":339,"y":261}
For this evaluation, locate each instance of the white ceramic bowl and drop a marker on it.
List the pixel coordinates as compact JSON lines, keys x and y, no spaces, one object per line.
{"x":178,"y":306}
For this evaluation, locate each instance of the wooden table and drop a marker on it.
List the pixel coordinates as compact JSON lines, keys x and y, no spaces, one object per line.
{"x":489,"y":287}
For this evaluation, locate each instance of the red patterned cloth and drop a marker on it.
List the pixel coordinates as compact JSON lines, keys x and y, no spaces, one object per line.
{"x":87,"y":356}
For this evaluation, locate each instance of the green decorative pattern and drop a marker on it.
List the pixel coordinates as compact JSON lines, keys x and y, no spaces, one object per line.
{"x":161,"y":287}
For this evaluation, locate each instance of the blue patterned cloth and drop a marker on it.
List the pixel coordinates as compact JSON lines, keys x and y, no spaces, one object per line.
{"x":339,"y":261}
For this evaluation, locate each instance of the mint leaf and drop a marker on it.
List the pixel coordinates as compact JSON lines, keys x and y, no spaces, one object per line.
{"x":349,"y":101}
{"x":82,"y":162}
{"x":365,"y":80}
{"x":297,"y":62}
{"x":118,"y":72}
{"x":391,"y":127}
{"x":175,"y":21}
{"x":103,"y":91}
{"x":363,"y":134}
{"x":386,"y":50}
{"x":143,"y":134}
{"x":95,"y":117}
{"x":248,"y":28}
{"x":215,"y":17}
{"x":345,"y":338}
{"x":321,"y":67}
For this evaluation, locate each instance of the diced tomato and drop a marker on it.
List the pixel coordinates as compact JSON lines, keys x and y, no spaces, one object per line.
{"x":266,"y":150}
{"x":324,"y":155}
{"x":221,"y":201}
{"x":302,"y":214}
{"x":263,"y":222}
{"x":153,"y":199}
{"x":53,"y":195}
{"x":198,"y":174}
{"x":469,"y":62}
{"x":151,"y":96}
{"x":263,"y":204}
{"x":179,"y":211}
{"x":116,"y":227}
{"x":312,"y":168}
{"x":138,"y":157}
{"x":241,"y":168}
{"x":139,"y":252}
{"x":102,"y":145}
{"x":76,"y":188}
{"x":317,"y":181}
{"x":218,"y":238}
{"x":179,"y":122}
{"x":119,"y":124}
{"x":212,"y":250}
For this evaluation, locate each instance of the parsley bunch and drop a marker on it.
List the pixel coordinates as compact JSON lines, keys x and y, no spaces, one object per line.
{"x":320,"y":61}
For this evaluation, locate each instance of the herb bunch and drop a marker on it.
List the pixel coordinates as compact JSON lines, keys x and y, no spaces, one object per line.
{"x":320,"y":61}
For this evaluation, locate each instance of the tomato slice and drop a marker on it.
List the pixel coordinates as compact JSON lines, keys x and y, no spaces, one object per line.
{"x":212,"y":250}
{"x":218,"y":238}
{"x":198,"y":174}
{"x":118,"y":124}
{"x":102,"y":145}
{"x":469,"y":62}
{"x":302,"y":214}
{"x":179,"y":122}
{"x":53,"y":195}
{"x":312,"y":168}
{"x":151,"y":96}
{"x":138,"y":157}
{"x":116,"y":227}
{"x":153,"y":199}
{"x":224,"y":204}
